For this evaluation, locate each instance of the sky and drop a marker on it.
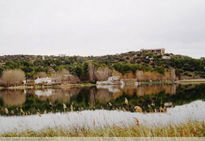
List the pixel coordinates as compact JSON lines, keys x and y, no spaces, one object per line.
{"x":101,"y":27}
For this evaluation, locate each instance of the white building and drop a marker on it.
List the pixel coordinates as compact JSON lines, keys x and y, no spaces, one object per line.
{"x":46,"y":80}
{"x":110,"y":81}
{"x":114,"y":78}
{"x":166,"y":57}
{"x":24,"y":82}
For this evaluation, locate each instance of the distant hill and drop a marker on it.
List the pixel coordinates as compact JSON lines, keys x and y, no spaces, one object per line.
{"x":186,"y":67}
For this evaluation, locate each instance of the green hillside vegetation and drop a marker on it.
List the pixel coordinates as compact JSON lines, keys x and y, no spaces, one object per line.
{"x":123,"y":63}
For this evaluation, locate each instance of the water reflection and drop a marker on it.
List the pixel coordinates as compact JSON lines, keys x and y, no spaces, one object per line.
{"x":13,"y":98}
{"x":60,"y":95}
{"x":149,"y":97}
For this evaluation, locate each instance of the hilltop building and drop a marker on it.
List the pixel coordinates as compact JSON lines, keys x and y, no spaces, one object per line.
{"x":157,"y":51}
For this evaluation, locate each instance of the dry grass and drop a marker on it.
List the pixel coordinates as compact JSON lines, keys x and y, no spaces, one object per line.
{"x":190,"y":129}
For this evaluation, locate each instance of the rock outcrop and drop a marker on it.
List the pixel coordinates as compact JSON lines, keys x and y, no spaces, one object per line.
{"x":64,"y":77}
{"x":102,"y":74}
{"x":91,"y":69}
{"x":98,"y":73}
{"x":155,"y":76}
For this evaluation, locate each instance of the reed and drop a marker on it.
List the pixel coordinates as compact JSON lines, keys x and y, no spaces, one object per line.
{"x":190,"y":129}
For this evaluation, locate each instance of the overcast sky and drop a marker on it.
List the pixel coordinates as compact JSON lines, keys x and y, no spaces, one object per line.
{"x":100,"y":27}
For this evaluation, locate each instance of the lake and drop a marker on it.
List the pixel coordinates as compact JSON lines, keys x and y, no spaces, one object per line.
{"x":151,"y":98}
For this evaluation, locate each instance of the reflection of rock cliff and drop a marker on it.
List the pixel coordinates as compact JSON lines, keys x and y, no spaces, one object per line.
{"x":60,"y":95}
{"x":148,"y":90}
{"x":115,"y":92}
{"x":154,"y":89}
{"x":13,"y":98}
{"x":107,"y":93}
{"x":91,"y":100}
{"x":103,"y":96}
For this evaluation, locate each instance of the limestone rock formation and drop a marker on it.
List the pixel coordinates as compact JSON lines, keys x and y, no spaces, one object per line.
{"x":91,"y":69}
{"x":98,"y":73}
{"x":102,"y":73}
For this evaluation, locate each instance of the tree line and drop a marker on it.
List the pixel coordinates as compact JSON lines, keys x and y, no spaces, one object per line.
{"x":30,"y":66}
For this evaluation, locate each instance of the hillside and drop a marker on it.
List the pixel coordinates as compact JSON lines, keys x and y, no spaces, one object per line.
{"x":185,"y":67}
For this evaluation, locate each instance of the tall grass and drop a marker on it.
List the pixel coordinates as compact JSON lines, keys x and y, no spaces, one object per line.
{"x":190,"y":129}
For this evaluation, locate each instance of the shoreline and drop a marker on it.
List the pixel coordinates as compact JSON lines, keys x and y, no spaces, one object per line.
{"x":79,"y":85}
{"x":48,"y":86}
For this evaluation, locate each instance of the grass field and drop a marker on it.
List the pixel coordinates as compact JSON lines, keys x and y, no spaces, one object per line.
{"x":190,"y":129}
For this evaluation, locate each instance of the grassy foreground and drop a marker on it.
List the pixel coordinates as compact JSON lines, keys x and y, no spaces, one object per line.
{"x":190,"y":129}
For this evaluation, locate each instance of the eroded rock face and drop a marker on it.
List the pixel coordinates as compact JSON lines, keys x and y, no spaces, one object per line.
{"x":98,"y":74}
{"x":173,"y":74}
{"x":155,"y":76}
{"x":139,"y":75}
{"x":71,"y":79}
{"x":102,"y":74}
{"x":64,"y":77}
{"x":129,"y":75}
{"x":116,"y":73}
{"x":91,"y":69}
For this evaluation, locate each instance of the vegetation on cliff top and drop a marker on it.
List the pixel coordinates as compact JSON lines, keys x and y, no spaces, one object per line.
{"x":126,"y":62}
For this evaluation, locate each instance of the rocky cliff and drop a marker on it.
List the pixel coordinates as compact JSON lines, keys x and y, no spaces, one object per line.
{"x":155,"y":76}
{"x":98,"y":73}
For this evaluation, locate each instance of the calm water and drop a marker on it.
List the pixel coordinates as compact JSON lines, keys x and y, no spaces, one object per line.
{"x":151,"y":98}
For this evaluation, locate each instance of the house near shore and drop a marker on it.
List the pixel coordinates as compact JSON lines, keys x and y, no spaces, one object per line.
{"x":113,"y":80}
{"x":45,"y":80}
